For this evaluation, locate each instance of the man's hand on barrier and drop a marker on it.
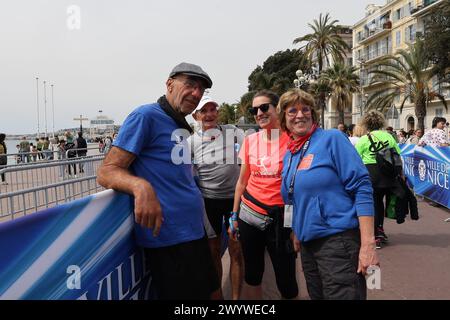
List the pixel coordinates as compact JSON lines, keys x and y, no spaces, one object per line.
{"x":147,"y":209}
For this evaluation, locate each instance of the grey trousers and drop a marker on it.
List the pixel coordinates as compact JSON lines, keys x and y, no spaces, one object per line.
{"x":330,"y":266}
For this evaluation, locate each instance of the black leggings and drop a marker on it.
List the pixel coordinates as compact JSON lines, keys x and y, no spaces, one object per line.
{"x":379,"y":195}
{"x":254,"y":242}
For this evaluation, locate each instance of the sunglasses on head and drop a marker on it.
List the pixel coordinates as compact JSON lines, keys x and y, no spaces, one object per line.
{"x":254,"y":110}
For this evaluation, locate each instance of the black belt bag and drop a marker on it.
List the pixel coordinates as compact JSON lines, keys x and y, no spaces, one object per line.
{"x":275,"y":217}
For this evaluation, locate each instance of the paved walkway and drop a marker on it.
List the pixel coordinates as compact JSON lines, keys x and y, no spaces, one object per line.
{"x":414,"y":265}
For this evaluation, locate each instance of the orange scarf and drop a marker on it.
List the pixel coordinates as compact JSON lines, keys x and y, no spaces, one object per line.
{"x":295,"y":144}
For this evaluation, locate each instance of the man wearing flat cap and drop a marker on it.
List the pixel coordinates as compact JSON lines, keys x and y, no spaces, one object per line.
{"x":168,"y":206}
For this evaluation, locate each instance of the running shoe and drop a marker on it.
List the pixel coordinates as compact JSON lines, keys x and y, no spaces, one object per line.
{"x":378,"y":243}
{"x":380,"y":234}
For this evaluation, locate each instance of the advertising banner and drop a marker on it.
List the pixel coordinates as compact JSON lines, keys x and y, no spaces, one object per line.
{"x":407,"y":153}
{"x":431,"y":169}
{"x":84,"y":249}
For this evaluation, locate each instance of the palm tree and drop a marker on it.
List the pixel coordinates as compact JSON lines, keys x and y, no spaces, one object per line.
{"x":343,"y":82}
{"x":227,"y":113}
{"x":322,"y":43}
{"x":408,"y":74}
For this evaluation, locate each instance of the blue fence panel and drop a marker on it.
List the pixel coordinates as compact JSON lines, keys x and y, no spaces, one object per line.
{"x":84,"y":249}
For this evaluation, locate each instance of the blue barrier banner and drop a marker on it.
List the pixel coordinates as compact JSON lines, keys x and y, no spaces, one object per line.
{"x":84,"y":249}
{"x":407,"y":153}
{"x":431,"y":170}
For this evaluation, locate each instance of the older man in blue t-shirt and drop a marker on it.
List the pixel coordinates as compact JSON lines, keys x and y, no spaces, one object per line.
{"x":147,"y":161}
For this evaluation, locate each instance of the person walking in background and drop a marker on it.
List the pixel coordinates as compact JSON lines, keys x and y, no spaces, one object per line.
{"x":69,"y":137}
{"x":101,"y":145}
{"x":168,"y":205}
{"x":81,"y":147}
{"x":401,"y":136}
{"x":382,"y":183}
{"x":48,"y":155}
{"x":24,"y":150}
{"x":258,"y":205}
{"x":215,"y":162}
{"x":343,"y":128}
{"x":39,"y":145}
{"x":435,"y":137}
{"x":62,"y":156}
{"x":34,"y":152}
{"x":108,"y":143}
{"x":391,"y":131}
{"x":355,"y":132}
{"x":3,"y":157}
{"x":328,"y":189}
{"x":415,"y":137}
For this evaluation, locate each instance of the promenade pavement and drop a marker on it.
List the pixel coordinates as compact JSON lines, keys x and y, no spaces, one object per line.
{"x":415,"y":264}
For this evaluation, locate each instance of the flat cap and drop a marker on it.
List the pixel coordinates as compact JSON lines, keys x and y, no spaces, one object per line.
{"x":191,"y":70}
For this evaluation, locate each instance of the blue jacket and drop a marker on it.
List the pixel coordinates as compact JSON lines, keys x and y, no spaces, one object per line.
{"x":155,"y":139}
{"x":331,"y":189}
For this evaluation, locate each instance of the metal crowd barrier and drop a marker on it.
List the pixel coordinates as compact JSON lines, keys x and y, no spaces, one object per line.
{"x":23,"y":158}
{"x":33,"y":187}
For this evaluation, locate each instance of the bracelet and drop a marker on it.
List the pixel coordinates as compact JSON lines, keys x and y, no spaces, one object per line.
{"x":233,"y":216}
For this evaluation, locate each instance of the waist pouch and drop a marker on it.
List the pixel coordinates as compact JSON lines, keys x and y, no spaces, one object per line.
{"x":274,"y":219}
{"x":253,"y":218}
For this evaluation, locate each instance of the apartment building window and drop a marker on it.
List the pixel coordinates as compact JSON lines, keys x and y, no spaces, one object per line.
{"x":398,"y":38}
{"x":398,"y":14}
{"x":349,"y":61}
{"x":373,"y":51}
{"x":359,"y":36}
{"x":410,"y":7}
{"x":439,"y":112}
{"x":410,"y":33}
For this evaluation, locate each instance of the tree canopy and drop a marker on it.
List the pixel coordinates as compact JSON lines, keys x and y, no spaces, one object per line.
{"x":437,"y":39}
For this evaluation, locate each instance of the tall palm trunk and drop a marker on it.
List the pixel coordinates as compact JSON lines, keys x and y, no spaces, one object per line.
{"x":341,"y":116}
{"x":421,"y":111}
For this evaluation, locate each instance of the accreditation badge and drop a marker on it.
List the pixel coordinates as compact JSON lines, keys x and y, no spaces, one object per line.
{"x":288,"y":212}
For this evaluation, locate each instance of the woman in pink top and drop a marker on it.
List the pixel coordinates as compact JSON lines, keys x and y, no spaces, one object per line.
{"x":258,"y":210}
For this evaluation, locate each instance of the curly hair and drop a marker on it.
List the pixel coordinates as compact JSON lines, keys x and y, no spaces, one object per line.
{"x":373,"y":120}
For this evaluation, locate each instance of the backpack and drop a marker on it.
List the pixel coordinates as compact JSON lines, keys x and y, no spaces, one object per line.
{"x":389,"y":162}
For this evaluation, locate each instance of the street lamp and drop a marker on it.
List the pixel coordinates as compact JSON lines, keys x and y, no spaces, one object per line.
{"x":53,"y":114}
{"x":37,"y":104}
{"x":304,"y":79}
{"x":45,"y":107}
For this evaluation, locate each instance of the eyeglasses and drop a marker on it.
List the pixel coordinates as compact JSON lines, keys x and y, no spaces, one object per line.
{"x":292,"y":111}
{"x":192,"y":84}
{"x":254,"y":110}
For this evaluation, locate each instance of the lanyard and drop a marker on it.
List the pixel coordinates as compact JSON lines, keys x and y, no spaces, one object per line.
{"x":291,"y":185}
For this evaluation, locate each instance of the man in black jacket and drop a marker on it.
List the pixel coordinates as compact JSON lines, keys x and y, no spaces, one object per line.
{"x":81,"y":146}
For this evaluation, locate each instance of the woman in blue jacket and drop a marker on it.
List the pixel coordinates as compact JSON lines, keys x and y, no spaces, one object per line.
{"x":328,"y":189}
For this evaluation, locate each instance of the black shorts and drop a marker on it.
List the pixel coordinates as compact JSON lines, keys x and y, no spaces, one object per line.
{"x":183,"y":271}
{"x":218,"y":211}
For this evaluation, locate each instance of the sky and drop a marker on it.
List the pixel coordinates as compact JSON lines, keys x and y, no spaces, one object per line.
{"x":114,"y":55}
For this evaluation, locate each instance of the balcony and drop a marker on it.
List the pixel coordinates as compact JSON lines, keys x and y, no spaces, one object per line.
{"x":374,"y":55}
{"x":376,"y":32}
{"x":424,"y":8}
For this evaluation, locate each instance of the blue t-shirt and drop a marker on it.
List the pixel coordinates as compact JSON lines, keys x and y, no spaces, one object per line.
{"x":332,"y":187}
{"x":158,"y":143}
